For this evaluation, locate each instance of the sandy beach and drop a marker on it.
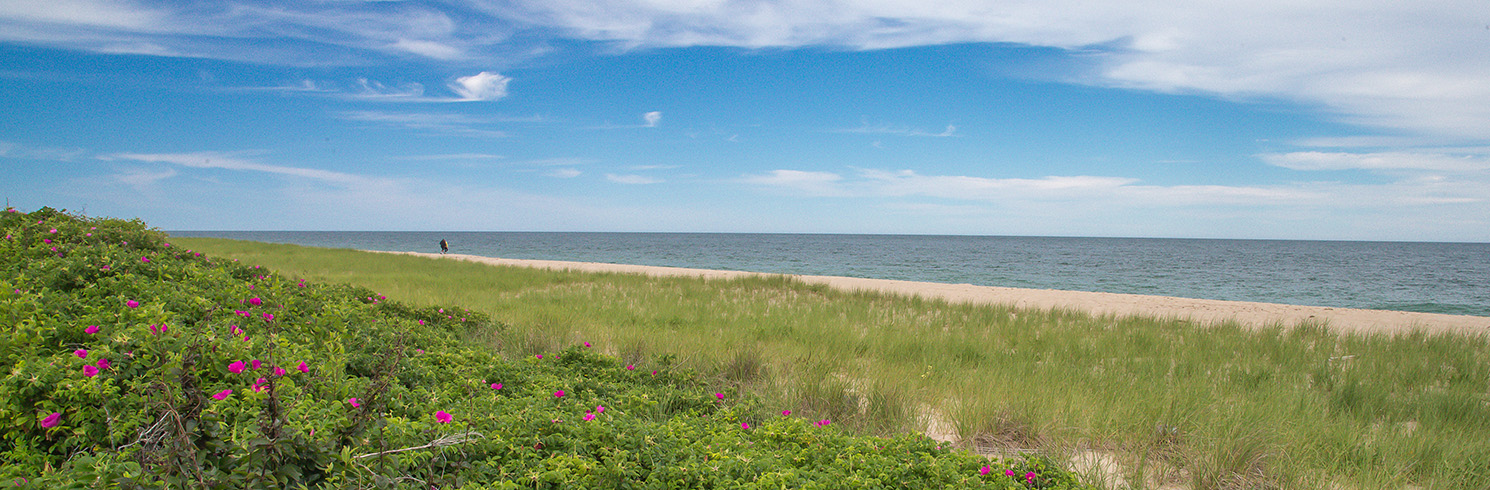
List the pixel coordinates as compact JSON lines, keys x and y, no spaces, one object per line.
{"x":1200,"y":310}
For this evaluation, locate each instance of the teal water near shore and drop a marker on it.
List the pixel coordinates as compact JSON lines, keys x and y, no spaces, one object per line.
{"x":1451,"y":278}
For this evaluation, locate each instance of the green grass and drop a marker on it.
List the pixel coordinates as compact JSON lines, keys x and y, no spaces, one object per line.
{"x":1296,"y":406}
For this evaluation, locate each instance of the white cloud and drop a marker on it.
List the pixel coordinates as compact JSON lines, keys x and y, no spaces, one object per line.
{"x":806,"y":182}
{"x":481,"y":86}
{"x":652,"y":118}
{"x":563,"y":173}
{"x":429,"y":49}
{"x":632,"y":179}
{"x":458,"y":124}
{"x":232,"y":162}
{"x":1315,"y":160}
{"x":1418,"y":66}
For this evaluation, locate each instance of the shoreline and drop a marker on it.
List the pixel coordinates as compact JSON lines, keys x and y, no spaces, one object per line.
{"x":1204,"y":311}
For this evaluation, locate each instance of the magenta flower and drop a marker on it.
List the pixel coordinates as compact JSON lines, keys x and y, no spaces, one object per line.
{"x":102,"y":363}
{"x":279,"y":371}
{"x":1029,"y":477}
{"x":268,"y":317}
{"x":443,"y":417}
{"x":786,"y":412}
{"x":92,"y":329}
{"x":222,"y":395}
{"x":589,"y":417}
{"x":132,"y":304}
{"x":354,"y":402}
{"x":587,"y":344}
{"x":255,"y":301}
{"x":496,"y":386}
{"x":51,"y":420}
{"x":104,"y":268}
{"x":654,"y":372}
{"x":236,"y":367}
{"x":54,"y":230}
{"x":82,"y":353}
{"x":744,"y":425}
{"x":630,"y":367}
{"x":559,"y":394}
{"x":303,"y":368}
{"x":302,"y":284}
{"x":241,"y":313}
{"x":255,"y":363}
{"x":540,"y":356}
{"x":719,"y":396}
{"x":984,"y":470}
{"x":824,"y":423}
{"x":421,"y":322}
{"x":1009,"y":472}
{"x":90,"y":370}
{"x":47,"y":241}
{"x":145,"y":259}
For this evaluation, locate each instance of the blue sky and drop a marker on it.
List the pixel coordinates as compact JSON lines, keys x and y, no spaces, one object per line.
{"x":1355,"y":120}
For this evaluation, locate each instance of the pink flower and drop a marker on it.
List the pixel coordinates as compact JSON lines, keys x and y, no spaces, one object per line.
{"x":255,"y":363}
{"x":303,"y":368}
{"x":654,"y":372}
{"x":104,"y":268}
{"x":236,"y":367}
{"x":302,"y":284}
{"x":234,"y":329}
{"x":719,"y":396}
{"x":786,"y":412}
{"x":421,"y":322}
{"x":90,"y":370}
{"x":587,"y":344}
{"x":222,"y":395}
{"x":1009,"y":472}
{"x":279,"y":371}
{"x":132,"y":304}
{"x":589,"y":417}
{"x":102,"y":363}
{"x":354,"y":402}
{"x":984,"y":470}
{"x":255,"y":301}
{"x":443,"y":417}
{"x":744,"y":425}
{"x":268,"y":317}
{"x":630,"y":367}
{"x":48,"y":241}
{"x":145,"y":259}
{"x":824,"y":422}
{"x":82,"y":353}
{"x":599,"y":409}
{"x":92,"y":329}
{"x":540,"y":356}
{"x":1029,"y":477}
{"x":559,"y":394}
{"x":51,"y":420}
{"x":496,"y":386}
{"x":241,"y":313}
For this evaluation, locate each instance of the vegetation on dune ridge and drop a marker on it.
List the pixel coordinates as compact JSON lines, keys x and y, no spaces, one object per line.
{"x":1169,"y":403}
{"x":131,"y":363}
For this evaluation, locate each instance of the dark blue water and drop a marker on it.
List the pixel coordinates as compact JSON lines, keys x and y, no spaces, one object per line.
{"x":1428,"y":277}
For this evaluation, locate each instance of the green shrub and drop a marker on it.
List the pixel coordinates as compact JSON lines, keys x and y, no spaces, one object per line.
{"x":165,"y":368}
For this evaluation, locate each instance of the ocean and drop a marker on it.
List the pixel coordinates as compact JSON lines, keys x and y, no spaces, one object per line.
{"x":1451,"y":278}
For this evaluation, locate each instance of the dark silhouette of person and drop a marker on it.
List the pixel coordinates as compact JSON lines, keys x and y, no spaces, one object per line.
{"x":444,"y":247}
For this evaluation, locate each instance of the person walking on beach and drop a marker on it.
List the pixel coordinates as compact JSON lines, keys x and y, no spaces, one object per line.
{"x":444,"y":247}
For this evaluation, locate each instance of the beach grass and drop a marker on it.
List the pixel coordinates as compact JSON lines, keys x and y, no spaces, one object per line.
{"x":1162,"y":401}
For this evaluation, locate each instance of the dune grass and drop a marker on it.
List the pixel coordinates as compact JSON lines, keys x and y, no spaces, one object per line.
{"x":1171,"y":402}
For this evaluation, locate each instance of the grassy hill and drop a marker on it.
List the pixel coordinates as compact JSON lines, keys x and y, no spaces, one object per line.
{"x":133,"y":362}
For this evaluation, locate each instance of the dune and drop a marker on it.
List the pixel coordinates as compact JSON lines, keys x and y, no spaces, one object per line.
{"x":1204,"y":311}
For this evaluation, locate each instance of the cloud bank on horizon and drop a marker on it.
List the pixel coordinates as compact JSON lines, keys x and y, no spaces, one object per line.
{"x":1385,"y":110}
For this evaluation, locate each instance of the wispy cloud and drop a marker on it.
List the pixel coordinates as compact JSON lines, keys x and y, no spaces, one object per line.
{"x":449,"y":123}
{"x":563,"y":173}
{"x":451,"y":156}
{"x":632,"y":179}
{"x":1316,"y":160}
{"x":651,"y":119}
{"x":228,"y":161}
{"x":1406,"y":65}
